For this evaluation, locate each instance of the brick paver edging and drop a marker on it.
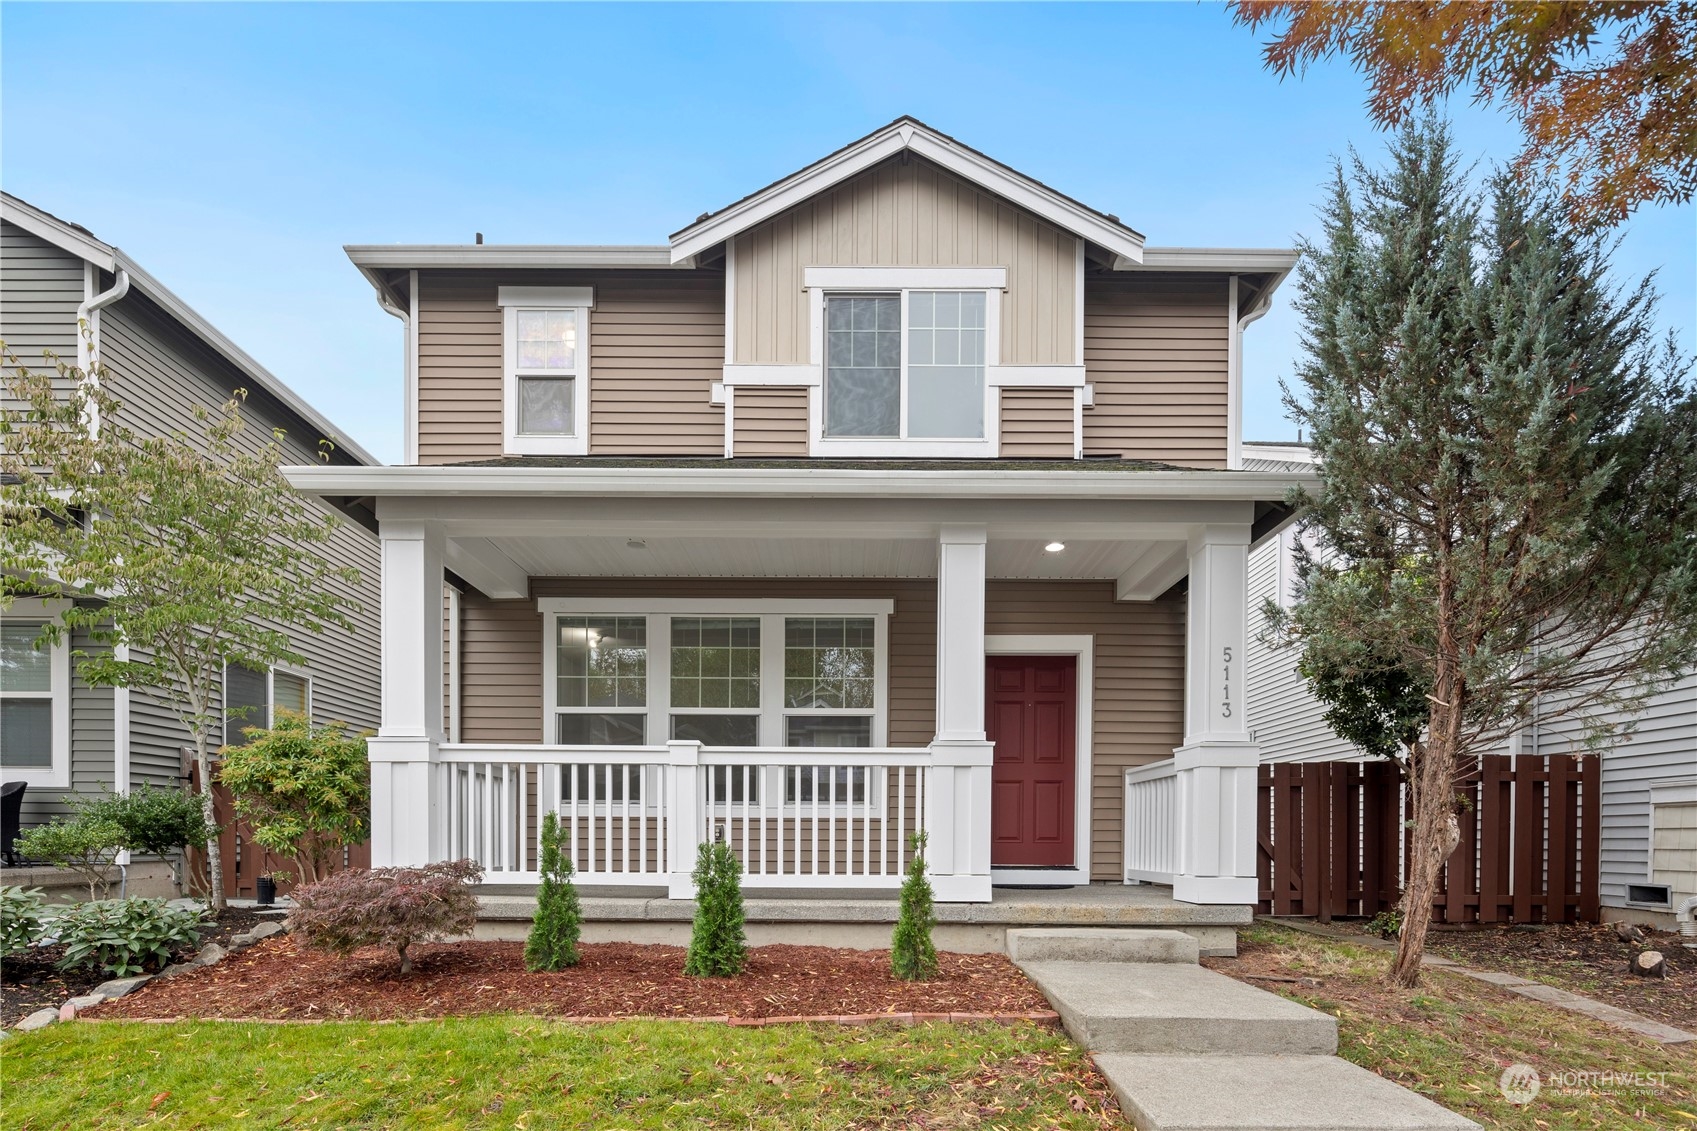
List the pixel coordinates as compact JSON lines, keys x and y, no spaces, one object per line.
{"x":1046,"y":1018}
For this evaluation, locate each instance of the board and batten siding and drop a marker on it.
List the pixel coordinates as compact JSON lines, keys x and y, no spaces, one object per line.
{"x":1139,"y":664}
{"x":161,"y":372}
{"x":1037,"y":424}
{"x":656,"y":345}
{"x":770,"y":421}
{"x":905,"y":213}
{"x":1155,"y":351}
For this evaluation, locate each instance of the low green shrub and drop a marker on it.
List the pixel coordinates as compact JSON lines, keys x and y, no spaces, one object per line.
{"x":554,"y":933}
{"x":155,"y":822}
{"x":1386,"y":924}
{"x":718,"y":948}
{"x":304,"y":791}
{"x":913,"y":957}
{"x":21,"y":913}
{"x":86,"y":845}
{"x":124,"y":936}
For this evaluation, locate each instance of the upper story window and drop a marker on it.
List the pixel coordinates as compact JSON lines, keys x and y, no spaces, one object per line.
{"x":35,"y":700}
{"x":904,"y":355}
{"x":545,"y":333}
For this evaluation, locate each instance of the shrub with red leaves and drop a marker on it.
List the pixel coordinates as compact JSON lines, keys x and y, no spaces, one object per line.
{"x":387,"y":906}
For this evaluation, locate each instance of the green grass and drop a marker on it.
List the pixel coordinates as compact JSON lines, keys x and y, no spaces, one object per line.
{"x":522,"y":1072}
{"x":1451,"y":1038}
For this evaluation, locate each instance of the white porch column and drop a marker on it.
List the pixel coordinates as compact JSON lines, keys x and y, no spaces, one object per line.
{"x":685,"y":829}
{"x":1217,"y":764}
{"x":957,"y":797}
{"x":408,"y":817}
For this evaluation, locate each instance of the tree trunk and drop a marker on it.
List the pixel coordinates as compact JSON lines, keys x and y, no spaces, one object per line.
{"x":214,"y":851}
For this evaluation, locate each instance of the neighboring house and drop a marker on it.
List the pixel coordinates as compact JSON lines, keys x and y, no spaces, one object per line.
{"x":901,"y":493}
{"x":1649,"y":787}
{"x":162,"y":359}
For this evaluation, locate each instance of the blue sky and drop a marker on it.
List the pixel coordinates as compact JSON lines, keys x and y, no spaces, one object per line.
{"x":233,"y":149}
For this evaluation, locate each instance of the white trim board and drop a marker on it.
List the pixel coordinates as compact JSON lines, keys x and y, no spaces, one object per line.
{"x":57,"y":773}
{"x":1083,"y":647}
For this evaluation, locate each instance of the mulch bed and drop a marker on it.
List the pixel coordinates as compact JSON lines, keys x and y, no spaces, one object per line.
{"x":280,"y":979}
{"x":29,"y":981}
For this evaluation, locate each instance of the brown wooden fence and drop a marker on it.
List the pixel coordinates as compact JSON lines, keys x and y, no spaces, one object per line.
{"x":244,"y":861}
{"x":1333,"y":841}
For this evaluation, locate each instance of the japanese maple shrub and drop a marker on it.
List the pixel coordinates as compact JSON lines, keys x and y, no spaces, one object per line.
{"x":555,"y":931}
{"x":392,"y":907}
{"x":717,"y":946}
{"x":913,"y":957}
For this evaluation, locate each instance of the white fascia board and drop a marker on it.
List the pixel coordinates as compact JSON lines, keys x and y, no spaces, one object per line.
{"x":892,"y":139}
{"x":57,"y":232}
{"x":1235,"y":260}
{"x":729,"y":482}
{"x":418,"y":256}
{"x":1284,"y":453}
{"x":238,"y":357}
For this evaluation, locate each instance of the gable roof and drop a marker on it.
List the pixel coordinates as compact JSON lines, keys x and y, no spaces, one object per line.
{"x":912,"y":135}
{"x":81,"y":242}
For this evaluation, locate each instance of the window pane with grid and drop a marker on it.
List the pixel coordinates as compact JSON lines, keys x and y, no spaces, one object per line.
{"x":945,"y":367}
{"x":863,"y":374}
{"x":547,"y":339}
{"x":602,"y":661}
{"x":829,"y":663}
{"x":716,"y":662}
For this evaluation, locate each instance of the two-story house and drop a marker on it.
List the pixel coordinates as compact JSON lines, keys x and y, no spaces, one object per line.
{"x":903,"y":494}
{"x":66,"y":292}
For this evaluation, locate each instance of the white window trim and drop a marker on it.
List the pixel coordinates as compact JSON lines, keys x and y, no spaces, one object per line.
{"x":58,"y":774}
{"x":1083,"y":648}
{"x":580,"y":301}
{"x":819,"y":281}
{"x":270,"y":694}
{"x":773,"y":727}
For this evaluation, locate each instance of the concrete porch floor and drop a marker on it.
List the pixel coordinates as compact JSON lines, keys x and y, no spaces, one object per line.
{"x":863,"y":919}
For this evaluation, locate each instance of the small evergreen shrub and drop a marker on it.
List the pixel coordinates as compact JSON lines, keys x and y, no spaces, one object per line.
{"x":21,"y":913}
{"x":124,"y":936}
{"x":87,"y":845}
{"x":717,"y":946}
{"x":393,"y":907}
{"x":554,"y":932}
{"x":913,"y":957}
{"x":155,"y":822}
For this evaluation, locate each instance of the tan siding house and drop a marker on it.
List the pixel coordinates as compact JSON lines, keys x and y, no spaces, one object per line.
{"x":903,"y":494}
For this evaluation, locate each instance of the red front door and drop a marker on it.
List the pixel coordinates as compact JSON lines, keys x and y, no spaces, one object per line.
{"x":1032,"y":708}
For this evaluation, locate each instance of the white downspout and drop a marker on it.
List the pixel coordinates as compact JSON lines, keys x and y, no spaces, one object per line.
{"x":1686,"y":917}
{"x":1234,"y":379}
{"x":409,"y":375}
{"x":88,"y":344}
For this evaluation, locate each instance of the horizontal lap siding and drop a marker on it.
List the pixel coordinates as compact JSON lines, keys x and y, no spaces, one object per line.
{"x":1139,"y":684}
{"x":911,"y":214}
{"x":656,"y":345}
{"x":1155,"y":351}
{"x":770,"y":421}
{"x":1037,"y":424}
{"x":41,"y":287}
{"x":1139,"y":658}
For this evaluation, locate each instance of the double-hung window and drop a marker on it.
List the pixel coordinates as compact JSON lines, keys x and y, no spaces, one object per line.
{"x":35,"y":703}
{"x":546,"y":350}
{"x":253,"y":696}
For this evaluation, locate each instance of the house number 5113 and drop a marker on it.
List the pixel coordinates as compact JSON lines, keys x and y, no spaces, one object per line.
{"x":1226,"y":687}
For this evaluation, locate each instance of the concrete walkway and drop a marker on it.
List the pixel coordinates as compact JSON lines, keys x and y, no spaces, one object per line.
{"x":1550,"y":995}
{"x":1187,"y":1049}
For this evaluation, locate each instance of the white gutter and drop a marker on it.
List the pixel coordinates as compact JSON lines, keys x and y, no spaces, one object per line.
{"x":725,"y":482}
{"x":406,"y":257}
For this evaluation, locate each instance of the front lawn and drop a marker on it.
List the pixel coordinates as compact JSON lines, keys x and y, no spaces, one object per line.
{"x":527,"y":1072}
{"x":1451,"y":1039}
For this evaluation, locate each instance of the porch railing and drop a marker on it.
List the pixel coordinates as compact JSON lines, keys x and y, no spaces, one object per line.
{"x":1151,"y":822}
{"x":810,"y":818}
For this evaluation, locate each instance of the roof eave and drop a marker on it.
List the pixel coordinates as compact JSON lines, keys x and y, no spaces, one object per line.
{"x":420,"y":256}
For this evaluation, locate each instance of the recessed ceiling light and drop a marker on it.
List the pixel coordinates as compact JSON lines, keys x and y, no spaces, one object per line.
{"x":636,"y":544}
{"x":1055,"y":547}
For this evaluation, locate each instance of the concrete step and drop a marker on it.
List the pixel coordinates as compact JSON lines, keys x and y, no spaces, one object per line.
{"x":1266,"y":1093}
{"x":1100,"y":944}
{"x":1168,"y":1007}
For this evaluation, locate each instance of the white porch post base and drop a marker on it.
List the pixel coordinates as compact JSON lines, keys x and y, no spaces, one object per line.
{"x":409,"y":821}
{"x":1216,"y":822}
{"x":684,"y":831}
{"x":957,"y":820}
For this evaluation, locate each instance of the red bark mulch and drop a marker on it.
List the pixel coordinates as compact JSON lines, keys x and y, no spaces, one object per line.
{"x":280,"y":979}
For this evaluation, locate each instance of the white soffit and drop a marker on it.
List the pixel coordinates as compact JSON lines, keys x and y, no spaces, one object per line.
{"x":940,"y":149}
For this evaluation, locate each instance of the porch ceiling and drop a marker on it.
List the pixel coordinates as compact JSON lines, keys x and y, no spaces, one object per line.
{"x":609,"y":556}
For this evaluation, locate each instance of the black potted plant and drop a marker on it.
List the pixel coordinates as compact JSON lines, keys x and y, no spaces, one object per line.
{"x":266,"y":887}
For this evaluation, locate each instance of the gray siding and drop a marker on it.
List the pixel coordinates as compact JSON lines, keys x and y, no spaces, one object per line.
{"x":41,"y":287}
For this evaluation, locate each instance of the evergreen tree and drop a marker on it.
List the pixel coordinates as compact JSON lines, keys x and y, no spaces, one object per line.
{"x":913,"y":957}
{"x":717,"y":946}
{"x":554,"y":933}
{"x":1508,"y":473}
